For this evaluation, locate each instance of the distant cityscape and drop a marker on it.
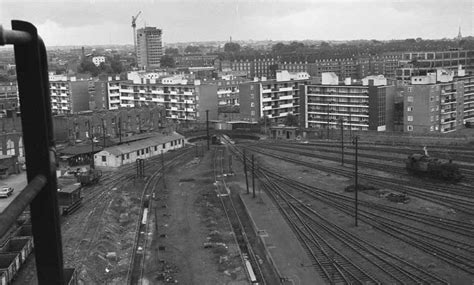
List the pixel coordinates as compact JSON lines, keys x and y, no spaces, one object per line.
{"x":412,"y":85}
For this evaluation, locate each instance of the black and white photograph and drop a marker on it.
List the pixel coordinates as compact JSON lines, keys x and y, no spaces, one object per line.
{"x":235,"y":142}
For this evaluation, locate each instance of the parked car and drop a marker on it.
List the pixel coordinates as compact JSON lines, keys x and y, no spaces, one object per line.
{"x":5,"y":192}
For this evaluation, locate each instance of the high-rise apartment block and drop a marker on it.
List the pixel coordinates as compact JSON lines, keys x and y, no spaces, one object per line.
{"x":68,"y":95}
{"x":149,"y":47}
{"x":274,"y":99}
{"x":434,"y":102}
{"x":365,"y":105}
{"x":420,"y":63}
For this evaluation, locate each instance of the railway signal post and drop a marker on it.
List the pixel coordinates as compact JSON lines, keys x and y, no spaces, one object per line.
{"x":245,"y":171}
{"x":356,"y":185}
{"x":342,"y":141}
{"x":207,"y":130}
{"x":163,"y":168}
{"x":253,"y":175}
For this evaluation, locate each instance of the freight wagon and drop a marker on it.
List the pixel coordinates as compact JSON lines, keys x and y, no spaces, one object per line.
{"x":69,"y":198}
{"x":9,"y":265}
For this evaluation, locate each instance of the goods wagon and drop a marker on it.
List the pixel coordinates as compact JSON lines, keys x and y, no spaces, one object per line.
{"x":69,"y":198}
{"x":9,"y":265}
{"x":21,"y":245}
{"x":89,"y":177}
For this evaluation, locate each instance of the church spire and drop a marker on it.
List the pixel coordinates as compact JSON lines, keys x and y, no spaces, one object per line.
{"x":459,"y":34}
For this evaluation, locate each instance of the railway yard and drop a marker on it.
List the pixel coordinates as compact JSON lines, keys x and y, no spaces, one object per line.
{"x":192,"y":216}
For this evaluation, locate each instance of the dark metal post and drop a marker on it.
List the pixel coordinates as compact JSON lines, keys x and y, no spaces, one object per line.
{"x":245,"y":171}
{"x":253,"y":176}
{"x":230,"y":163}
{"x":207,"y":130}
{"x":196,"y":146}
{"x":92,"y":143}
{"x":356,"y":184}
{"x":103,"y":133}
{"x":342,"y":141}
{"x":120,"y":129}
{"x":33,"y":86}
{"x":163,"y":168}
{"x":350,"y":122}
{"x":327,"y":123}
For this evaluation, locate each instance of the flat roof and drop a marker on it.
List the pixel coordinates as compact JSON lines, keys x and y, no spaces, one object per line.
{"x":141,"y":144}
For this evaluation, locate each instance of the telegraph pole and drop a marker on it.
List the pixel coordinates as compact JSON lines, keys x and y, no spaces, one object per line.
{"x":327,"y":123}
{"x":92,"y":143}
{"x":207,"y":130}
{"x":103,"y":132}
{"x":163,"y":168}
{"x":342,"y":141}
{"x":245,"y":171}
{"x":356,"y":186}
{"x":253,"y":176}
{"x":120,"y":129}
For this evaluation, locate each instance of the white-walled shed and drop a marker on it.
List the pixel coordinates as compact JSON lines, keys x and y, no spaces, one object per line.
{"x":116,"y":156}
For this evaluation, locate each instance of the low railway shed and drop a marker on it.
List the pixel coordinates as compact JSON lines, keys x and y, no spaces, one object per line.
{"x":116,"y":156}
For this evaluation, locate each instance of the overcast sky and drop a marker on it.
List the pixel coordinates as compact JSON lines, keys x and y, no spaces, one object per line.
{"x":88,"y":22}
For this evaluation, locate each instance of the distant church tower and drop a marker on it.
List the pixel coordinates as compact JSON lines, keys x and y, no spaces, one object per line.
{"x":459,"y":34}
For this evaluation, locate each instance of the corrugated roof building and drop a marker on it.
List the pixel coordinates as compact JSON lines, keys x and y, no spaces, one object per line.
{"x":116,"y":156}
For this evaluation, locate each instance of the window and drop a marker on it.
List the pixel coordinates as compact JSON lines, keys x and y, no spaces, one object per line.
{"x":409,"y":108}
{"x":409,"y":128}
{"x":432,"y":109}
{"x":164,"y":145}
{"x":128,"y":155}
{"x":410,"y":99}
{"x":138,"y":152}
{"x":104,"y":158}
{"x":410,"y":89}
{"x":252,"y":113}
{"x":431,"y":99}
{"x":410,"y":118}
{"x":147,"y":150}
{"x":156,"y":147}
{"x":431,"y":118}
{"x":143,"y":151}
{"x":252,"y":104}
{"x":123,"y":156}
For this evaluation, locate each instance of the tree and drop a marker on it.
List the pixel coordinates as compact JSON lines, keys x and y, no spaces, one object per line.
{"x":291,"y":120}
{"x":192,"y":49}
{"x":232,"y":47}
{"x":116,"y":65}
{"x":171,"y":51}
{"x":87,"y":66}
{"x":167,"y":61}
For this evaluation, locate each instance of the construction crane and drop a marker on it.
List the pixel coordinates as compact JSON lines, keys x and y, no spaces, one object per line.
{"x":134,"y":25}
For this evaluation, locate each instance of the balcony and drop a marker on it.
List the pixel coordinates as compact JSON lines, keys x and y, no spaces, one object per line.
{"x":286,"y":97}
{"x":188,"y":101}
{"x":288,"y":105}
{"x":284,"y":89}
{"x":264,"y":91}
{"x":188,"y":93}
{"x":173,"y":100}
{"x":173,"y":92}
{"x":174,"y":108}
{"x":266,"y":108}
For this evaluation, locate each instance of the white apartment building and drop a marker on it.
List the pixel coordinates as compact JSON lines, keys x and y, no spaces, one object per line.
{"x":178,"y":95}
{"x":68,"y":95}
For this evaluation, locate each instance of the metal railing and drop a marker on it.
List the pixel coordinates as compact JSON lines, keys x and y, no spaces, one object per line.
{"x":40,"y":194}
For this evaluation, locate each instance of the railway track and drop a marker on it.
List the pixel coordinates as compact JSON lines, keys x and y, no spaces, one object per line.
{"x":136,"y":269}
{"x":458,"y":204}
{"x":452,"y":189}
{"x":323,"y":239}
{"x":249,"y":258}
